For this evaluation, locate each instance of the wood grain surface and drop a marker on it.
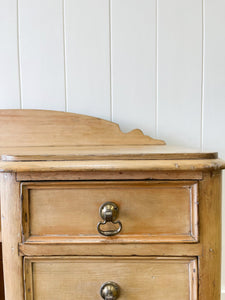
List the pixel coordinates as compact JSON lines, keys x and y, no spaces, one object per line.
{"x":11,"y":237}
{"x":52,"y":128}
{"x":103,"y":152}
{"x":1,"y":276}
{"x":113,"y":165}
{"x":149,"y":211}
{"x":138,"y":278}
{"x":210,"y":228}
{"x":35,"y":247}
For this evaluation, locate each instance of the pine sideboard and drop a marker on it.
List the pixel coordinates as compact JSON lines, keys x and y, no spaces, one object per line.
{"x":90,"y":212}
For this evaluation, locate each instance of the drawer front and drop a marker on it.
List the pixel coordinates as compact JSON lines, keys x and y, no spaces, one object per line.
{"x":148,"y":211}
{"x":137,"y":278}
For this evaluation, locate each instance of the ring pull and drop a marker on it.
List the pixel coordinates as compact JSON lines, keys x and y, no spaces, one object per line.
{"x":109,"y":212}
{"x":110,"y":291}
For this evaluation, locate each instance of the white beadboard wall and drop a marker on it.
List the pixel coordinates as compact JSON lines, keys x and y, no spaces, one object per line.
{"x":157,"y":65}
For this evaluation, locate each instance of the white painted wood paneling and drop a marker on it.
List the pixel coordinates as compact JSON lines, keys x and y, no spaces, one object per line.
{"x":87,"y":57}
{"x":133,"y":63}
{"x":9,"y":69}
{"x":179,"y":71}
{"x":214,"y":85}
{"x":214,"y":89}
{"x":223,"y":295}
{"x":41,"y":51}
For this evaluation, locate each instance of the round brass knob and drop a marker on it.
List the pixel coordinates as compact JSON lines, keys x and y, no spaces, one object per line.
{"x":109,"y":212}
{"x":110,"y":291}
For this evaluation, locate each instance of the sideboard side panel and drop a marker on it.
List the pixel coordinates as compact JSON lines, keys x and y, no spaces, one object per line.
{"x":210,"y":236}
{"x":11,"y":236}
{"x":2,"y":297}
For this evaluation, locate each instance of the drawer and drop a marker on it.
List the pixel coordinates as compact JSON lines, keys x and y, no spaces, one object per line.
{"x":80,"y":278}
{"x":149,"y":212}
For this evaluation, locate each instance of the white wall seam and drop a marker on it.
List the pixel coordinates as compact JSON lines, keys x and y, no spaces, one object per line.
{"x":18,"y":56}
{"x":203,"y":76}
{"x":156,"y":71}
{"x":64,"y":54}
{"x":110,"y":60}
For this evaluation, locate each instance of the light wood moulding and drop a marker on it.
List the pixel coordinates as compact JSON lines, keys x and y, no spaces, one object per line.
{"x":113,"y":165}
{"x":46,"y":248}
{"x":102,"y":152}
{"x":110,"y":175}
{"x":37,"y":248}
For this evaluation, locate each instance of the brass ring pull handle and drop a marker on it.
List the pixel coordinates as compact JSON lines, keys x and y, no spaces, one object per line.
{"x":109,"y":212}
{"x":110,"y":291}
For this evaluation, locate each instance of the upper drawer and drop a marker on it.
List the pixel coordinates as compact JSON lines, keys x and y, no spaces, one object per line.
{"x":148,"y":211}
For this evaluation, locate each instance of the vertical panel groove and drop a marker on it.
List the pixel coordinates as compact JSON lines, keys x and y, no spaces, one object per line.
{"x":64,"y":54}
{"x":203,"y":75}
{"x":110,"y":60}
{"x":18,"y":56}
{"x":156,"y":69}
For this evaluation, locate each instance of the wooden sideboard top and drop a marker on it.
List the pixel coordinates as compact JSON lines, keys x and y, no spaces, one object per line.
{"x":109,"y":152}
{"x":40,"y":140}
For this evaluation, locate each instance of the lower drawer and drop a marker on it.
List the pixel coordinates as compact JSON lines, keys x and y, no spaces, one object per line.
{"x":69,"y":278}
